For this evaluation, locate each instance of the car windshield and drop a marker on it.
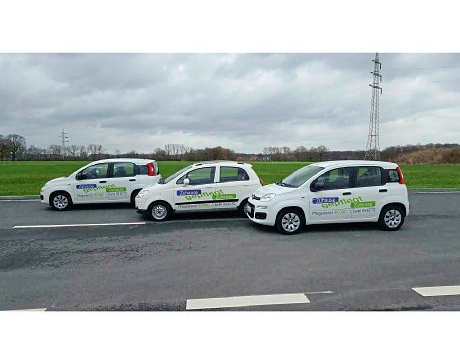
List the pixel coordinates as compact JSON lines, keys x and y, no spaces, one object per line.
{"x":299,"y":177}
{"x":171,"y":177}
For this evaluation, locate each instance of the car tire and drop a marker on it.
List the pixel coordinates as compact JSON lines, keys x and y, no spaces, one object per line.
{"x":159,"y":211}
{"x":133,"y":197}
{"x":241,"y":207}
{"x":290,"y":221}
{"x":391,"y":218}
{"x":60,"y":201}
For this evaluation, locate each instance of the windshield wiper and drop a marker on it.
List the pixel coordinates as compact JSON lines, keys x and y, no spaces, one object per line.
{"x":283,"y":184}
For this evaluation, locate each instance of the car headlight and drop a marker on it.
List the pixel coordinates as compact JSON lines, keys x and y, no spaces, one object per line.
{"x":267,"y":197}
{"x":142,"y":193}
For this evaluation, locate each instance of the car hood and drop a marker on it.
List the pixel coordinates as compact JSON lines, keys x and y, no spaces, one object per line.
{"x":273,"y":188}
{"x":55,"y":180}
{"x":157,"y":187}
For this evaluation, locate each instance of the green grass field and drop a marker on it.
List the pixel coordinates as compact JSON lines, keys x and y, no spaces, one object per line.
{"x":26,"y":178}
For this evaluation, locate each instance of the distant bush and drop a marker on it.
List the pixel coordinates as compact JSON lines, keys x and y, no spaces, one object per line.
{"x":430,"y":156}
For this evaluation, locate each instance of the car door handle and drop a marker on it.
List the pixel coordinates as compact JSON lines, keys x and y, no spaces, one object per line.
{"x":132,"y":180}
{"x":383,"y":190}
{"x":346,"y":193}
{"x":102,"y":181}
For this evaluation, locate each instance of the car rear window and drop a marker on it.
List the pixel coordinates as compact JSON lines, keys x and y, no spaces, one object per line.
{"x":392,"y":175}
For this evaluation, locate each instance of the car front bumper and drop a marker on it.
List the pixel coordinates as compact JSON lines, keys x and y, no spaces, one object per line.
{"x":260,"y":212}
{"x":140,"y":211}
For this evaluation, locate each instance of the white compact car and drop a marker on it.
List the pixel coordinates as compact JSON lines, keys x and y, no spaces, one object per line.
{"x":217,"y":185}
{"x":103,"y":181}
{"x":333,"y":192}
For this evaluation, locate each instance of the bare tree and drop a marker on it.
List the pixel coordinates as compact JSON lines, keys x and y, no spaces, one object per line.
{"x":301,"y":153}
{"x":82,"y":152}
{"x":17,"y":145}
{"x":55,"y":151}
{"x":322,"y":150}
{"x":99,"y":149}
{"x":4,"y":147}
{"x":72,"y":150}
{"x":33,"y":152}
{"x":95,"y":150}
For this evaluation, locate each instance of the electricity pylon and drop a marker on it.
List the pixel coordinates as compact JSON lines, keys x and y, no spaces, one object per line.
{"x":373,"y":147}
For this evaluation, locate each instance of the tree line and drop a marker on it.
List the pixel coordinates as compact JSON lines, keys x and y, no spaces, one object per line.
{"x":14,"y":147}
{"x":181,"y":152}
{"x":300,"y":153}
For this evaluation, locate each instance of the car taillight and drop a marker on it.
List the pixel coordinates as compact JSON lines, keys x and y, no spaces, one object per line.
{"x":151,"y":169}
{"x":261,"y":181}
{"x":401,"y":177}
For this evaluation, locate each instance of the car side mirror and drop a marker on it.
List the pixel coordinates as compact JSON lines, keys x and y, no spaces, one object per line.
{"x":186,"y":182}
{"x":80,"y":176}
{"x":316,"y":186}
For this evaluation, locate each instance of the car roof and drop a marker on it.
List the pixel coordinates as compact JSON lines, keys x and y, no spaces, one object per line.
{"x":351,"y":163}
{"x":222,"y":163}
{"x":132,"y":160}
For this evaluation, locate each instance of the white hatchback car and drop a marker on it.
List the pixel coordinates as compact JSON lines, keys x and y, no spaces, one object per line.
{"x":103,"y":181}
{"x":333,"y":192}
{"x":216,"y":185}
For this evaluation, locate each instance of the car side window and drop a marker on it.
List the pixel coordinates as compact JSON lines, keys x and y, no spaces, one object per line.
{"x":334,"y":179}
{"x":123,"y":169}
{"x":95,"y":171}
{"x":368,"y":176}
{"x":232,"y":174}
{"x":199,"y":176}
{"x":142,"y":169}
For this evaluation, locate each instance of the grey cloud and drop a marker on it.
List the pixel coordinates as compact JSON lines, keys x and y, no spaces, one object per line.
{"x":247,"y":101}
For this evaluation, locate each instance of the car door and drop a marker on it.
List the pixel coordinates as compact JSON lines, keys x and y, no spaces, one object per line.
{"x":331,"y":196}
{"x":368,"y":193}
{"x":199,"y":194}
{"x":122,"y":182}
{"x":91,"y":184}
{"x":233,"y":186}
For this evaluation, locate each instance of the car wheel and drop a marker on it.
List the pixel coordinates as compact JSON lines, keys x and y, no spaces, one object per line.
{"x":290,"y":221}
{"x":391,"y":218}
{"x":60,"y":201}
{"x":159,"y":211}
{"x":133,"y":197}
{"x":241,"y":207}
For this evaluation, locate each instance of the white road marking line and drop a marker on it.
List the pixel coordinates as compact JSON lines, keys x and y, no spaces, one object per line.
{"x":77,"y":225}
{"x":32,"y":309}
{"x":19,"y":200}
{"x":243,"y":301}
{"x":438,"y":291}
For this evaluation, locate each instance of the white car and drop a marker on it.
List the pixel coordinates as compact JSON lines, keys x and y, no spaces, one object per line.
{"x":103,"y":181}
{"x":333,"y":192}
{"x":217,"y":185}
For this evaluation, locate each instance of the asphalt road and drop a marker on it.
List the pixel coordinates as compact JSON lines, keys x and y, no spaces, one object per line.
{"x":160,"y":266}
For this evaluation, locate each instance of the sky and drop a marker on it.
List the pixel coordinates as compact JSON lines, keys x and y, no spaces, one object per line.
{"x":240,"y":101}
